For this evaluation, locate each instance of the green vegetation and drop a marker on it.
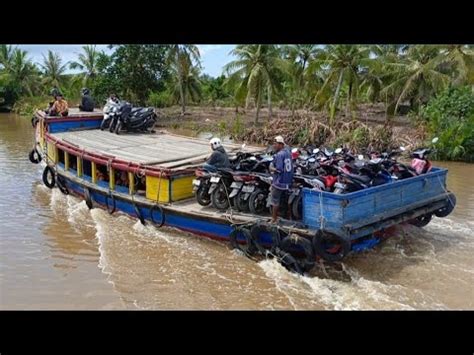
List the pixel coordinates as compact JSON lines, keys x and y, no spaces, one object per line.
{"x":434,"y":83}
{"x":450,"y":116}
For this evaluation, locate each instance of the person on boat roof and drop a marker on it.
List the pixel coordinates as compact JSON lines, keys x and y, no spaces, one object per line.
{"x":87,"y":103}
{"x":282,"y":173}
{"x":60,"y":107}
{"x":218,"y":158}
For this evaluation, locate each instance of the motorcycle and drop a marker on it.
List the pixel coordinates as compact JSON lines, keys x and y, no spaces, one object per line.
{"x":110,"y":112}
{"x":136,"y":119}
{"x":420,"y":162}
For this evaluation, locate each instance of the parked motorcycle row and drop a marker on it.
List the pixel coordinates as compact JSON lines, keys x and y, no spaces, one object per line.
{"x":120,"y":116}
{"x":245,"y":186}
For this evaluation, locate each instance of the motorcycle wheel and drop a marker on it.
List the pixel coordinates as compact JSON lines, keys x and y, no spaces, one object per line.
{"x":103,"y":125}
{"x":258,"y":201}
{"x":202,"y":196}
{"x":118,"y":127}
{"x":219,"y":198}
{"x":112,"y":125}
{"x":240,"y":203}
{"x":297,"y":207}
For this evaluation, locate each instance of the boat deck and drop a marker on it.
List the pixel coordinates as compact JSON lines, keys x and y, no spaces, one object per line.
{"x":162,"y":148}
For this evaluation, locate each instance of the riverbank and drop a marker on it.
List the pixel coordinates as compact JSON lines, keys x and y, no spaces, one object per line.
{"x":370,"y":127}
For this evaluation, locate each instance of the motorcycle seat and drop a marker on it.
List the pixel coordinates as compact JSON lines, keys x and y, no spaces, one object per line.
{"x":362,"y":178}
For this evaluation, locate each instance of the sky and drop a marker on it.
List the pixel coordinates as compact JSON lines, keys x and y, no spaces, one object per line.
{"x":213,"y":57}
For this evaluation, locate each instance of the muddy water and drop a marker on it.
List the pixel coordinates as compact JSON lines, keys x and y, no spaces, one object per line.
{"x":56,"y":254}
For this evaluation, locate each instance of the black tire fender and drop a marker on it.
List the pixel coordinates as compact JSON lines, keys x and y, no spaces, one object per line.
{"x":88,"y":198}
{"x":288,"y":261}
{"x":421,"y":221}
{"x":319,"y":248}
{"x":139,"y":214}
{"x":34,"y":156}
{"x":114,"y":207}
{"x":162,"y":222}
{"x":61,"y":182}
{"x":294,"y":240}
{"x":49,"y":171}
{"x":273,"y":230}
{"x":249,"y":248}
{"x":450,"y":204}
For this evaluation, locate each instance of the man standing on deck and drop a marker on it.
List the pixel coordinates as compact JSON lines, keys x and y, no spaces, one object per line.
{"x":282,"y":172}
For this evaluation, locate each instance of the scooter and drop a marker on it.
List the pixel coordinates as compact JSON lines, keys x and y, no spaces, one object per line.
{"x":110,"y":112}
{"x":420,"y":161}
{"x":135,"y":119}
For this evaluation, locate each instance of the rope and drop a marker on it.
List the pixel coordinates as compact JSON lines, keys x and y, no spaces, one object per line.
{"x":446,"y":191}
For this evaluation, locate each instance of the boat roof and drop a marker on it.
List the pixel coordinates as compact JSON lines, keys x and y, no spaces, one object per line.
{"x":162,"y":148}
{"x":74,"y":112}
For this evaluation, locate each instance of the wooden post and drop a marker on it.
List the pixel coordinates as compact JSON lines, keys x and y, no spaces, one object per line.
{"x":66,"y":160}
{"x":79,"y":167}
{"x":112,"y":178}
{"x":131,"y":183}
{"x":94,"y":172}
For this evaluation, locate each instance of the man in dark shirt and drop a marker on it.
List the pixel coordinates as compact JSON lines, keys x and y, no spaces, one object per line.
{"x":218,"y":158}
{"x":87,"y":103}
{"x":282,"y":173}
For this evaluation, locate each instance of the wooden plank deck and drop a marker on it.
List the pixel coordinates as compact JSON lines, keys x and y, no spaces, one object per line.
{"x":161,"y":149}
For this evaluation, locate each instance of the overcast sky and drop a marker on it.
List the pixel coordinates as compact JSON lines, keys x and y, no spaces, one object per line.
{"x":213,"y":57}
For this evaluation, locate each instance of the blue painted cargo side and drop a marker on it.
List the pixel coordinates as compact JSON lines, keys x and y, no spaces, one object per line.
{"x":337,"y":211}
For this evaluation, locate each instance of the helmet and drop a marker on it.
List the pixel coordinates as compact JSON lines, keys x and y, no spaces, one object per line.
{"x":85,"y":91}
{"x":215,"y":143}
{"x":279,"y":139}
{"x":55,"y":92}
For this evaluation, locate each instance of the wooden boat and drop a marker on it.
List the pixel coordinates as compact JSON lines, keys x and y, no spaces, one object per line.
{"x":76,"y":150}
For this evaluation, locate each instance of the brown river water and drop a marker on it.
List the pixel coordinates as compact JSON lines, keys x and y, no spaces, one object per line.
{"x":56,"y":254}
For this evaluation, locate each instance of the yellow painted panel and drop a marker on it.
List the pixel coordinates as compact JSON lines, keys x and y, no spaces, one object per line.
{"x":131,"y":182}
{"x":79,"y":167}
{"x":182,"y":188}
{"x":94,"y":172}
{"x":112,"y":178}
{"x":66,"y":160}
{"x":52,"y":152}
{"x":153,"y":184}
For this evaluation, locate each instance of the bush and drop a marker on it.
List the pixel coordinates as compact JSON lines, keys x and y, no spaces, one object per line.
{"x":159,"y":99}
{"x":27,"y":106}
{"x":450,"y":116}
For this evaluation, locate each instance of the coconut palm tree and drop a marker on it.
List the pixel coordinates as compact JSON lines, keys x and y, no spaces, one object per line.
{"x":53,"y":69}
{"x":6,"y":53}
{"x":19,"y":73}
{"x":341,"y":64}
{"x":461,"y":58}
{"x":418,"y":75}
{"x":256,"y":71}
{"x":180,"y":56}
{"x":185,"y":81}
{"x":87,"y":63}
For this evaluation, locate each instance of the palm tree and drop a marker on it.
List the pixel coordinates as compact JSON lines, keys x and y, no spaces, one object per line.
{"x":87,"y":63}
{"x":299,"y":81}
{"x":185,"y":81}
{"x":19,"y":73}
{"x":418,"y":75}
{"x":6,"y":53}
{"x":256,"y":71}
{"x":461,"y":59}
{"x":341,"y":64}
{"x":53,"y":69}
{"x":180,"y":56}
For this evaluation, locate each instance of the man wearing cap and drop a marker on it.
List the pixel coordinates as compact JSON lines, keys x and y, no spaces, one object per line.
{"x":282,"y":172}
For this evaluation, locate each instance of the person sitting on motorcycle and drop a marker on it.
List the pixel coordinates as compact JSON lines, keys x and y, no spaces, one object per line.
{"x":60,"y":107}
{"x":87,"y":103}
{"x":282,"y":173}
{"x":218,"y":158}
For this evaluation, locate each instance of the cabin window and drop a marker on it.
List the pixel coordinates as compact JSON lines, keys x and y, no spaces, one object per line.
{"x":61,"y":158}
{"x":122,"y":182}
{"x":102,"y":175}
{"x":73,"y":164}
{"x":87,"y":169}
{"x":140,"y":184}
